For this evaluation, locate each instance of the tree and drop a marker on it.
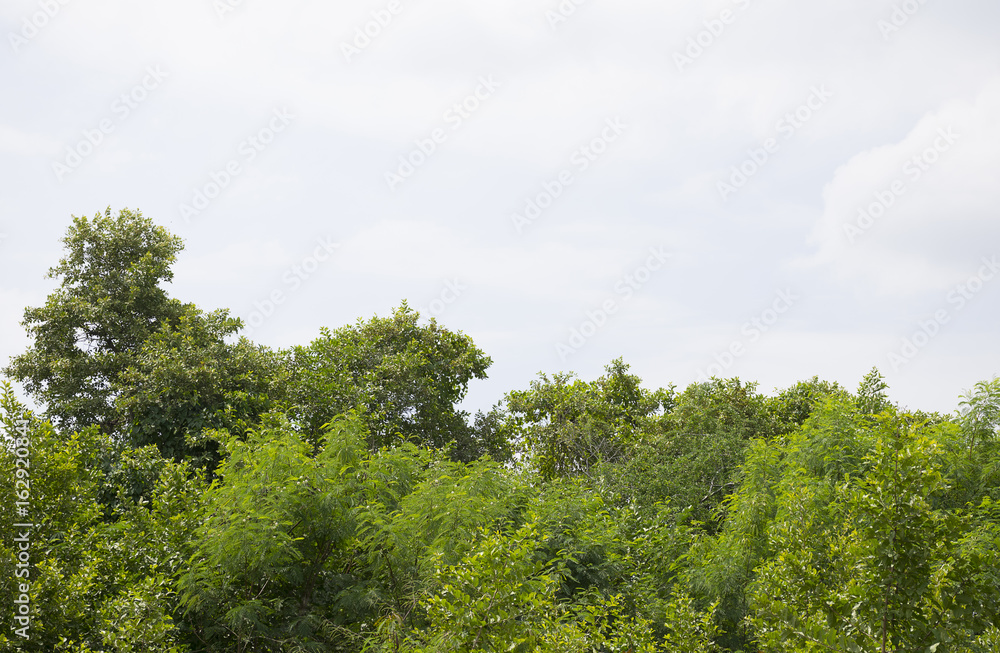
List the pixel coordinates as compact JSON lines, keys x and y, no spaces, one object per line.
{"x":869,"y":562}
{"x":91,"y":328}
{"x":307,"y":547}
{"x":871,"y":395}
{"x":980,"y":412}
{"x":503,"y":597}
{"x":96,"y":580}
{"x":186,"y":378}
{"x":565,"y":425}
{"x":974,"y":460}
{"x":405,"y":379}
{"x":795,"y":404}
{"x":692,"y":458}
{"x":272,"y":561}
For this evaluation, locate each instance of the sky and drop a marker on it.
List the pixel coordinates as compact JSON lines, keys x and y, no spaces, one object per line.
{"x":762,"y":189}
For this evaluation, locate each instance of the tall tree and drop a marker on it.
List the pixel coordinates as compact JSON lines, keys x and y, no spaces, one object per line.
{"x":186,"y":378}
{"x":871,"y":397}
{"x":404,"y":378}
{"x":693,"y":457}
{"x":565,"y":426}
{"x":90,"y":329}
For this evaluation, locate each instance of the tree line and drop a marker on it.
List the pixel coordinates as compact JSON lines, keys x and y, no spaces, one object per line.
{"x":193,"y":491}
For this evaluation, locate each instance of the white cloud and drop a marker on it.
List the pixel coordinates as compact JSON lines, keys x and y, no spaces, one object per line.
{"x":932,"y":198}
{"x":656,"y":185}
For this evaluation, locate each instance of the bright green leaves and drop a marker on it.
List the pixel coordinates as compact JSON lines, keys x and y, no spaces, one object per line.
{"x":417,"y":518}
{"x":308,"y":546}
{"x":138,"y":619}
{"x":498,"y":597}
{"x":863,"y":560}
{"x":565,"y":426}
{"x":871,"y":397}
{"x":410,"y":551}
{"x":692,"y":455}
{"x":279,"y":520}
{"x":504,"y":596}
{"x":101,"y":565}
{"x":109,"y":301}
{"x":980,"y":412}
{"x":186,"y":378}
{"x":404,"y":379}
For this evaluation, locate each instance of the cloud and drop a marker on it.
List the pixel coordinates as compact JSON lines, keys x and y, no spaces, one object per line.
{"x":913,"y":215}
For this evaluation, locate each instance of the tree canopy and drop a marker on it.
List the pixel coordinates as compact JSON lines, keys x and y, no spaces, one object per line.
{"x":184,"y":490}
{"x":404,"y":378}
{"x":89,"y":331}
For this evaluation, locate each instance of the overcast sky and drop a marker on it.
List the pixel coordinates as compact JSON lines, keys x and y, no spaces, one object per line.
{"x":757,"y":188}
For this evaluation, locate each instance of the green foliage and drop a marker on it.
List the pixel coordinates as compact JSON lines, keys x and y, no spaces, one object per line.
{"x":98,"y":581}
{"x":491,"y":435}
{"x":566,"y":426}
{"x":404,"y":380}
{"x":721,"y":567}
{"x":498,"y":597}
{"x":307,"y":546}
{"x":575,"y":525}
{"x":186,"y":378}
{"x":980,"y":412}
{"x":859,"y":558}
{"x":421,"y":508}
{"x":504,"y":596}
{"x":108,"y":303}
{"x":265,"y":572}
{"x":795,"y":404}
{"x":871,"y":397}
{"x":137,"y":620}
{"x":973,"y":460}
{"x":692,"y":459}
{"x":194,"y":493}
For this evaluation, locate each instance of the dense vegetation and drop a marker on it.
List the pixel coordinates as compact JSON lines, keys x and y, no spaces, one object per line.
{"x":193,"y":491}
